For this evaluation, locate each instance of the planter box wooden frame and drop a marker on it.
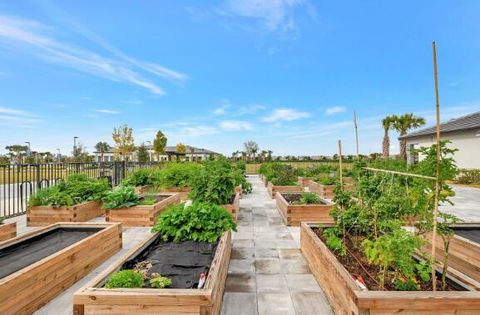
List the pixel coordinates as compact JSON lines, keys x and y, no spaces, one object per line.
{"x":346,"y":298}
{"x":234,"y":207}
{"x":325,"y":191}
{"x":238,"y":189}
{"x":8,"y":231}
{"x":296,"y":214}
{"x":183,"y":192}
{"x":30,"y":288}
{"x":464,"y":254}
{"x":93,"y":299}
{"x":141,"y":215}
{"x":273,"y":189}
{"x":46,"y":215}
{"x":142,"y":189}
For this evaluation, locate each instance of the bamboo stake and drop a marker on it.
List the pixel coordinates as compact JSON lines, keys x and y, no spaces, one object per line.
{"x":399,"y":173}
{"x":356,"y":131}
{"x":437,"y":180}
{"x":340,"y":161}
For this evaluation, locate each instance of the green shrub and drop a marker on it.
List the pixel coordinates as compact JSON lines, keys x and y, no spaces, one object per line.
{"x":1,"y":220}
{"x":121,"y":197}
{"x":469,"y":177}
{"x":142,"y":177}
{"x":309,"y":198}
{"x":214,"y":183}
{"x":279,"y":173}
{"x":239,"y":178}
{"x":76,"y":189}
{"x":125,"y":279}
{"x":198,"y":222}
{"x":178,"y":174}
{"x":159,"y":282}
{"x":328,"y":180}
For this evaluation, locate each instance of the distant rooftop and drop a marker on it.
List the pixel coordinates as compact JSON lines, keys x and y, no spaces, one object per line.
{"x":471,"y":121}
{"x":173,"y":150}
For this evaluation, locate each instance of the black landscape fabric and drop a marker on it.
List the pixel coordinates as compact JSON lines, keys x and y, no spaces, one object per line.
{"x":31,"y":250}
{"x":181,"y":262}
{"x":472,"y":234}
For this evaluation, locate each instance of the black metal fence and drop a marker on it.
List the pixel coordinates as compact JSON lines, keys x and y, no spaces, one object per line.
{"x":18,"y":182}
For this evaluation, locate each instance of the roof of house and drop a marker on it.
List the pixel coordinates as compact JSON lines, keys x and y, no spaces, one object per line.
{"x":173,"y":150}
{"x":471,"y":121}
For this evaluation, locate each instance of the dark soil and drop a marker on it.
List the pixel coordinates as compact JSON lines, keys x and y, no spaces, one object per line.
{"x":181,"y":262}
{"x":369,"y":273}
{"x":294,"y":199}
{"x":31,"y":250}
{"x":470,"y":233}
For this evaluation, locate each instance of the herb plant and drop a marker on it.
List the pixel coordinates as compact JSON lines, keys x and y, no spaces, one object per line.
{"x":198,"y":222}
{"x":125,"y":279}
{"x":159,"y":282}
{"x":309,"y":198}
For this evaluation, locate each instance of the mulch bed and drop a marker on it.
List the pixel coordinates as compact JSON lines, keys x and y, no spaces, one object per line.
{"x":182,"y":262}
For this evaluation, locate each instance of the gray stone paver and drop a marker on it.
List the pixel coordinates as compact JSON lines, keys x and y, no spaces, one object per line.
{"x":278,"y":279}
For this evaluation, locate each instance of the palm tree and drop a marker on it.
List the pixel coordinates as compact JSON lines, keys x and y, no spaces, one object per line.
{"x":403,"y":124}
{"x":387,"y":124}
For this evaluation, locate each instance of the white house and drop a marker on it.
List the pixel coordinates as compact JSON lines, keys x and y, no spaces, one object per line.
{"x":191,"y":154}
{"x":464,"y":134}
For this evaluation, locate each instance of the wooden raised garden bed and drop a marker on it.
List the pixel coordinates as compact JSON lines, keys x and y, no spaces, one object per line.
{"x":464,"y":250}
{"x":183,"y":192}
{"x":142,"y":215}
{"x":294,"y":214}
{"x":38,"y":266}
{"x":8,"y":231}
{"x":93,"y":298}
{"x":141,"y":190}
{"x":273,"y":189}
{"x":46,"y":215}
{"x":325,"y":191}
{"x":346,"y":297}
{"x":234,"y":207}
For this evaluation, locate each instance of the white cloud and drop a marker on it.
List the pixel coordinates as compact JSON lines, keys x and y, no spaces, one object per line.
{"x":285,"y":114}
{"x":17,"y":118}
{"x":122,"y":69}
{"x":236,"y":125}
{"x":335,"y":110}
{"x":195,"y":131}
{"x":274,"y":15}
{"x":251,"y":109}
{"x":107,"y":111}
{"x":220,"y":110}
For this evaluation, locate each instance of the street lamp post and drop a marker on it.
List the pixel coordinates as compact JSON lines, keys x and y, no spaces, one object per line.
{"x":150,"y":150}
{"x":58,"y":154}
{"x":29,"y":148}
{"x":75,"y":146}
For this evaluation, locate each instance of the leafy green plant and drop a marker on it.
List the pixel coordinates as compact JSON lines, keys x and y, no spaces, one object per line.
{"x":178,"y":174}
{"x":309,"y":198}
{"x":76,"y":189}
{"x":125,"y":279}
{"x":142,"y":177}
{"x":198,"y":222}
{"x":334,"y":242}
{"x":159,"y":282}
{"x":2,"y":219}
{"x":214,"y":183}
{"x":121,"y":197}
{"x":394,"y":253}
{"x":328,"y":180}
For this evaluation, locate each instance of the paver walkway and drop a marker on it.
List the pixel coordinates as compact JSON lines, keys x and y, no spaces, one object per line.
{"x":267,"y":273}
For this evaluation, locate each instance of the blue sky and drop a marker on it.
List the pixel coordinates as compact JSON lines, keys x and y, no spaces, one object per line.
{"x":285,"y":73}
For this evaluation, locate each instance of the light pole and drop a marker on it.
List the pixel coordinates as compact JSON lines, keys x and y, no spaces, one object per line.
{"x":58,"y":154}
{"x":150,"y":150}
{"x":75,"y":146}
{"x":29,"y":149}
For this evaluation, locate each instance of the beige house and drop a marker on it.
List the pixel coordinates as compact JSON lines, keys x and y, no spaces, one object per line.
{"x":464,"y":134}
